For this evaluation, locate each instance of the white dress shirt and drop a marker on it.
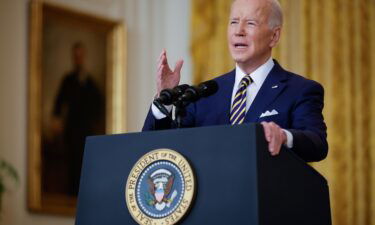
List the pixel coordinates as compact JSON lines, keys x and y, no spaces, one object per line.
{"x":258,"y":77}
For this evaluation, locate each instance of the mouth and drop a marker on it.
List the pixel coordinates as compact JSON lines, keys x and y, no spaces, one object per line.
{"x":240,"y":45}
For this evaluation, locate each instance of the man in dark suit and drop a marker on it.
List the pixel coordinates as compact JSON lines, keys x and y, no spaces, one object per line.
{"x":259,"y":90}
{"x":78,"y":113}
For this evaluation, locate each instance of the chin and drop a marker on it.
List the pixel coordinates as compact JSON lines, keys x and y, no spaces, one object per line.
{"x":240,"y":60}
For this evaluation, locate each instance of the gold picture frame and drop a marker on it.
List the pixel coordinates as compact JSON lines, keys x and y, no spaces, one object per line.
{"x":52,"y":31}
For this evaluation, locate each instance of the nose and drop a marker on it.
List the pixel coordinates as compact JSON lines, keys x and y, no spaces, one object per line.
{"x":240,"y":29}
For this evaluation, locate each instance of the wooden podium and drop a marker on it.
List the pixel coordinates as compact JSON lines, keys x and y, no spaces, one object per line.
{"x":237,"y":180}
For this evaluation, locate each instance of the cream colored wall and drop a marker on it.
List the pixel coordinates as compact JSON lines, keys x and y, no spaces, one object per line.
{"x":152,"y":25}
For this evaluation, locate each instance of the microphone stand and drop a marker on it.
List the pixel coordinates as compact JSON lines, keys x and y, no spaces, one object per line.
{"x":165,"y":112}
{"x":189,"y":95}
{"x":180,"y":111}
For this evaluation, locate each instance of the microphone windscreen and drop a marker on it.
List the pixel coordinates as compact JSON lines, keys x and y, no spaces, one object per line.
{"x":180,"y":89}
{"x":208,"y":88}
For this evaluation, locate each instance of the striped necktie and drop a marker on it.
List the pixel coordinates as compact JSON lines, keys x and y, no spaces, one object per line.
{"x":238,"y":111}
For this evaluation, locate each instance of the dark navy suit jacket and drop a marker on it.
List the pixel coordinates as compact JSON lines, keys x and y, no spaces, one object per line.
{"x":298,"y":101}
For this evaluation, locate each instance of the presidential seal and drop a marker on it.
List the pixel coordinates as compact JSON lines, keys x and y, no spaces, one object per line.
{"x":160,"y":188}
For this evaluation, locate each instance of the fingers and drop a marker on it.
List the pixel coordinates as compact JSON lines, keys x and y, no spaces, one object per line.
{"x":267,"y":131}
{"x":163,"y":52}
{"x":165,"y":56}
{"x":178,"y":66}
{"x":165,"y":77}
{"x":162,"y":59}
{"x":275,"y":137}
{"x":275,"y":143}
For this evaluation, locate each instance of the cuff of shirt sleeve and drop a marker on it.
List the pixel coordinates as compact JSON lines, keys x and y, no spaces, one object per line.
{"x":289,"y":139}
{"x":156,"y":112}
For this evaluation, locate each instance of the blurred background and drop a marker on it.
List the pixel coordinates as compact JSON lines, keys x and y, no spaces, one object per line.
{"x":328,"y":41}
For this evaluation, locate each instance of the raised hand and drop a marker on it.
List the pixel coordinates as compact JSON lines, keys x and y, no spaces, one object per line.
{"x":165,"y":77}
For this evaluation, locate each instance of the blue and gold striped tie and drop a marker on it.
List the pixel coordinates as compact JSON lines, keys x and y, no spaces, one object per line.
{"x":238,"y":111}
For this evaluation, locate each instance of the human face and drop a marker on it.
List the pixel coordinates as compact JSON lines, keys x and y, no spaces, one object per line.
{"x":78,"y":57}
{"x":250,"y":38}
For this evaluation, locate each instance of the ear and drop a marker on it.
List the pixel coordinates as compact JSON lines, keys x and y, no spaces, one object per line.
{"x":275,"y":36}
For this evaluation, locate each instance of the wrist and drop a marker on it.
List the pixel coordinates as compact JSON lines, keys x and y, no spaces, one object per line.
{"x":284,"y":137}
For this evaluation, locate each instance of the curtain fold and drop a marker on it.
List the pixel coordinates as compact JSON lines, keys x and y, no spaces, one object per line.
{"x":331,"y":42}
{"x":208,"y":29}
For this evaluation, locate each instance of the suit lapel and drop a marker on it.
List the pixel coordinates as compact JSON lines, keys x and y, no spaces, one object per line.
{"x":226,"y":88}
{"x":271,"y":88}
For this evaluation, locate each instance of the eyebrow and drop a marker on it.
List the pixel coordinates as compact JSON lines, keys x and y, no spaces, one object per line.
{"x":247,"y":20}
{"x":253,"y":20}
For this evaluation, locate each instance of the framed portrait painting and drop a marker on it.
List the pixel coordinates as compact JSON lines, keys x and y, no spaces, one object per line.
{"x":77,"y":78}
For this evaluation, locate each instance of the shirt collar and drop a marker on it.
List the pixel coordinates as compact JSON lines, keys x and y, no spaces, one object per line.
{"x":258,"y":76}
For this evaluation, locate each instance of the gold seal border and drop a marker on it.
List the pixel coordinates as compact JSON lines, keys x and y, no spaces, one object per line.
{"x":139,"y":167}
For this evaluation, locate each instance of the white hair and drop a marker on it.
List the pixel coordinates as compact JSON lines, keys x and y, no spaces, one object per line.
{"x":275,"y":18}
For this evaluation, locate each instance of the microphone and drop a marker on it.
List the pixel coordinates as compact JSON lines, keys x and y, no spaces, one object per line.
{"x":194,"y":93}
{"x":168,"y":96}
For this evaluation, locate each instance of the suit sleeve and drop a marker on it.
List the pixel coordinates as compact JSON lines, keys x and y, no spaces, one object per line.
{"x":151,"y":123}
{"x":308,"y":128}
